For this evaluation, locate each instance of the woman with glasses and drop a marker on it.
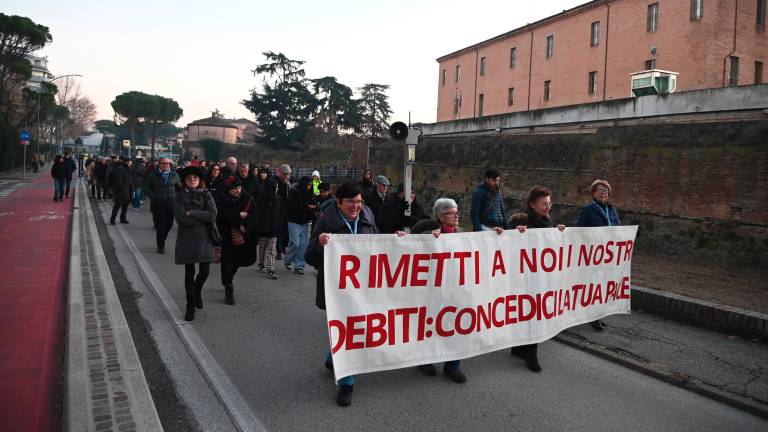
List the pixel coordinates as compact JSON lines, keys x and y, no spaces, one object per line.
{"x":349,"y":216}
{"x":598,"y":213}
{"x":539,"y":203}
{"x":211,"y":176}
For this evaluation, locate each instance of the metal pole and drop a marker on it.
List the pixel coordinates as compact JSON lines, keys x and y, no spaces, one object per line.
{"x":24,"y":162}
{"x":37,"y":137}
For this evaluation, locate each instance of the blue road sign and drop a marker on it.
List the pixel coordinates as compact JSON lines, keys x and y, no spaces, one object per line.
{"x":25,"y":135}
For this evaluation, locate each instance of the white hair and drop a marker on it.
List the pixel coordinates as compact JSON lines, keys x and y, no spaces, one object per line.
{"x":442,"y":205}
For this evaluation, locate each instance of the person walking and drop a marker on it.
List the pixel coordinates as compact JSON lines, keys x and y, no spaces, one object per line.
{"x":301,"y":210}
{"x":316,"y":183}
{"x":100,"y":178}
{"x":122,"y":186}
{"x":283,"y":186}
{"x":59,"y":174}
{"x":487,"y":211}
{"x":366,"y":182}
{"x":137,"y":174}
{"x":238,"y":221}
{"x":349,"y":216}
{"x":160,"y":187}
{"x":377,"y":199}
{"x":71,"y":165}
{"x":599,"y":212}
{"x":539,"y":204}
{"x":195,"y":213}
{"x":270,"y":211}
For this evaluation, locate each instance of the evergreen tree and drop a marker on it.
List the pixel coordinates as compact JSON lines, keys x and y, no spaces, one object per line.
{"x":373,"y":106}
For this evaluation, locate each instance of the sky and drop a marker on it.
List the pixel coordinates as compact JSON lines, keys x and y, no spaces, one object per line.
{"x":201,"y":53}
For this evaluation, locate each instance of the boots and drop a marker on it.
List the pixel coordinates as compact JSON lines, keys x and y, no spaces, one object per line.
{"x":529,"y":353}
{"x":190,"y":315}
{"x":229,"y":292}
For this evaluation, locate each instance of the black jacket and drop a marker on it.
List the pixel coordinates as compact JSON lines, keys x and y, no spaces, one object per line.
{"x":377,"y":206}
{"x":393,"y":216}
{"x":270,"y":209}
{"x":59,"y":170}
{"x":299,"y":200}
{"x":122,"y":183}
{"x":228,"y":219}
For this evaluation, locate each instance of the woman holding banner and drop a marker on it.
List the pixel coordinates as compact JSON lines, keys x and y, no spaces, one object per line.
{"x":539,"y":204}
{"x":598,"y":213}
{"x":446,"y":221}
{"x":349,"y":217}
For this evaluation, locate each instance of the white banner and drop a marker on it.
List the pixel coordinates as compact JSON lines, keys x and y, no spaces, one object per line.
{"x":395,"y":302}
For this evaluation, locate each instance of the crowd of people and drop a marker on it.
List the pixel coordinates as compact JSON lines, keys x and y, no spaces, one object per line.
{"x":241,"y":214}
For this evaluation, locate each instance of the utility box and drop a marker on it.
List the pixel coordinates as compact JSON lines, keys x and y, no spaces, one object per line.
{"x":653,"y":82}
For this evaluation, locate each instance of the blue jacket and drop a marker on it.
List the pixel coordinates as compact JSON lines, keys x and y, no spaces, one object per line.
{"x":594,"y":215}
{"x":483,"y":213}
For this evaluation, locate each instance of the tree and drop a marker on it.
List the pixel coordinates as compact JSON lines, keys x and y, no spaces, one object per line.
{"x":284,"y":107}
{"x":83,"y":110}
{"x":131,"y":108}
{"x":212,"y":148}
{"x":164,"y":110}
{"x":106,"y":126}
{"x":374,"y":108}
{"x":336,"y":108}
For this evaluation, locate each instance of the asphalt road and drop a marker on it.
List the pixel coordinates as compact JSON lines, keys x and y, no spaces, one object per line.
{"x":272,"y":344}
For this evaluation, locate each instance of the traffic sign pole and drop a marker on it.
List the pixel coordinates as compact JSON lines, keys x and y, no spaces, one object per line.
{"x":25,"y":136}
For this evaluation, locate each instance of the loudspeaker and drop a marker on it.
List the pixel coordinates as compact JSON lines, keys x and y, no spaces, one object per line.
{"x":398,"y":130}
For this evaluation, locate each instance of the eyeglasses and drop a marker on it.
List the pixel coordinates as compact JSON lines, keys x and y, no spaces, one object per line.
{"x":351,"y":201}
{"x":451,"y":213}
{"x":601,"y":190}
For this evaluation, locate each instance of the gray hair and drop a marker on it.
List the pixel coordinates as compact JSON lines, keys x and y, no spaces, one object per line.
{"x":442,"y":205}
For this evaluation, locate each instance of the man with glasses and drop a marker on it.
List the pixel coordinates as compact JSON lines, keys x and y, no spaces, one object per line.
{"x":487,"y":211}
{"x":160,"y":188}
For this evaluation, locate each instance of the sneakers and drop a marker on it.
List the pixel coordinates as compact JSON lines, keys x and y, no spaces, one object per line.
{"x":288,"y":266}
{"x":344,"y":397}
{"x":272,"y":275}
{"x":261,"y":268}
{"x":124,"y":221}
{"x":428,"y":369}
{"x":112,"y":222}
{"x":299,"y":271}
{"x":455,"y":374}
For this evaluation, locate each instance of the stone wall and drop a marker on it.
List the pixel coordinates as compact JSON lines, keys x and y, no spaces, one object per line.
{"x":694,"y":188}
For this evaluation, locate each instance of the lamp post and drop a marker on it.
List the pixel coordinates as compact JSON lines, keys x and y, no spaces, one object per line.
{"x":38,"y":112}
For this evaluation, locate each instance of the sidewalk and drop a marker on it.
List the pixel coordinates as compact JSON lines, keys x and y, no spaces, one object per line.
{"x":33,"y":274}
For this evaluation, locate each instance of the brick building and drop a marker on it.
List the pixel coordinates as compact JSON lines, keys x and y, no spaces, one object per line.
{"x":586,"y":54}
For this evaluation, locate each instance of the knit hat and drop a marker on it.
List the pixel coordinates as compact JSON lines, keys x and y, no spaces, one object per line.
{"x":316,"y":173}
{"x":232,"y":182}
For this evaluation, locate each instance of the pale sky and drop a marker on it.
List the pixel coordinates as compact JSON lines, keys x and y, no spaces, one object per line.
{"x":200,"y":53}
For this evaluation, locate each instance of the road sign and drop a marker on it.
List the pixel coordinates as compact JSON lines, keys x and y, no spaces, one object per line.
{"x":126,"y":143}
{"x":24,"y":142}
{"x":25,"y":135}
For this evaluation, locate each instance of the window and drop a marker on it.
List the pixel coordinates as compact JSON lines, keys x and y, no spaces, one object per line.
{"x":482,"y":66}
{"x":758,"y":72}
{"x":512,"y":57}
{"x":458,"y":73}
{"x":480,"y":105}
{"x":550,"y":46}
{"x":733,"y":71}
{"x":697,"y":9}
{"x":511,"y":96}
{"x":457,"y":105}
{"x":594,"y":36}
{"x":650,"y":64}
{"x":547,"y":90}
{"x":445,"y":74}
{"x":592,"y":83}
{"x":760,"y":18}
{"x":653,"y":17}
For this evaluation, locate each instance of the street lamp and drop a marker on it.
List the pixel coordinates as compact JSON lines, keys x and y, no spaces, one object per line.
{"x":50,"y":158}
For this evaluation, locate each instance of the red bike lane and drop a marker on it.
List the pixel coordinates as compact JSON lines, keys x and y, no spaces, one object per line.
{"x":35,"y":233}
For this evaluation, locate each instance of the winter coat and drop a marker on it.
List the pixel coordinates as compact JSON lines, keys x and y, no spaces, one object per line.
{"x":393,"y":216}
{"x":58,"y":170}
{"x":229,"y":219}
{"x":270,"y":209}
{"x":193,"y":240}
{"x":100,"y":173}
{"x":298,"y":201}
{"x":377,"y":205}
{"x":594,"y":215}
{"x":122,"y":184}
{"x":161,"y":193}
{"x":487,"y":208}
{"x":71,"y":166}
{"x":331,"y":222}
{"x":366,"y":186}
{"x":137,"y":172}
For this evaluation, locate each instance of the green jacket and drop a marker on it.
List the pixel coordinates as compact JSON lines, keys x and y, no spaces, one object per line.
{"x":161,"y":193}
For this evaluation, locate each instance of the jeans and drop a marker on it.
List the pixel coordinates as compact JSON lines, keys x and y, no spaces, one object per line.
{"x":138,"y":195}
{"x":298,"y":235}
{"x":68,"y":181}
{"x":58,"y":188}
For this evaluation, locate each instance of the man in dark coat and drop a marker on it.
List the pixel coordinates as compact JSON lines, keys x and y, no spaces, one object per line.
{"x":59,"y":173}
{"x":160,"y":186}
{"x":301,"y":211}
{"x":122,"y":186}
{"x":283,"y":184}
{"x":71,"y":165}
{"x":376,"y":200}
{"x":393,"y":215}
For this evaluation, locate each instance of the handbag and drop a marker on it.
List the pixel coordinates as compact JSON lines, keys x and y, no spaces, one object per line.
{"x":216,"y":254}
{"x":238,"y":239}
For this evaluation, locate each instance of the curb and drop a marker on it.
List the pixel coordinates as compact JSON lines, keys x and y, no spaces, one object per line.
{"x":659,"y":372}
{"x":714,"y":316}
{"x":104,"y":382}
